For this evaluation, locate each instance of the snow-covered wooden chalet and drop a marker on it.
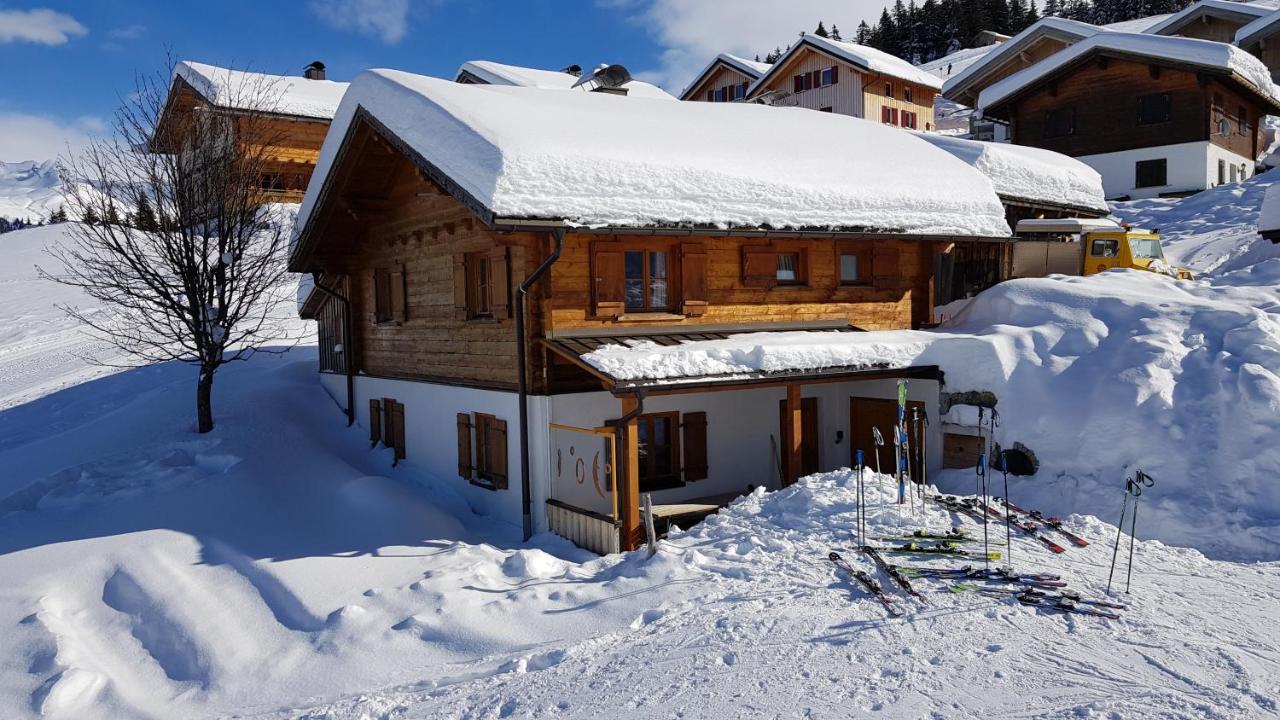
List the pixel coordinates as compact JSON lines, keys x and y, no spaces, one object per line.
{"x":557,"y":301}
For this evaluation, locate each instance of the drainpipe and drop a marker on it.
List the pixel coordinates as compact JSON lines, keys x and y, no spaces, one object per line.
{"x":522,"y":292}
{"x":347,"y":360}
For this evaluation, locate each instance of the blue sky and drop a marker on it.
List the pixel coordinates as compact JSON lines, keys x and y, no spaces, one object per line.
{"x":63,"y":65}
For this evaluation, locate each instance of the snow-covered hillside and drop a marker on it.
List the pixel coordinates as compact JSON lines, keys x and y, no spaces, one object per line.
{"x":29,"y":190}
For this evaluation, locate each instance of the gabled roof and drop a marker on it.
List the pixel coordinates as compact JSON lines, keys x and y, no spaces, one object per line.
{"x":233,"y":89}
{"x":750,"y":68}
{"x":1029,"y":175}
{"x":1242,"y":12}
{"x":514,"y":154}
{"x":1053,"y":27}
{"x":495,"y":73}
{"x":867,"y":59}
{"x":948,"y":66}
{"x":1259,"y":29}
{"x":1203,"y":55}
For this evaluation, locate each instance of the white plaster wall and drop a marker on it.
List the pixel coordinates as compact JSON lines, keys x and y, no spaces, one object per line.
{"x":1191,"y":166}
{"x":740,"y":425}
{"x":1220,"y":153}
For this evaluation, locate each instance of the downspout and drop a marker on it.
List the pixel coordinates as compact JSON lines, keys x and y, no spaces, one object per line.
{"x":522,"y":292}
{"x":347,"y":360}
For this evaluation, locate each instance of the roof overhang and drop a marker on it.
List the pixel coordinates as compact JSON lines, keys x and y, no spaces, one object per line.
{"x":958,"y":86}
{"x":1240,"y":12}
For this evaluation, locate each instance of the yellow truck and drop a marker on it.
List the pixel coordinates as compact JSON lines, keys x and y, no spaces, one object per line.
{"x":1084,"y":246}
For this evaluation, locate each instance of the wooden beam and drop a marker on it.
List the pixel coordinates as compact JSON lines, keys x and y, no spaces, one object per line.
{"x":795,"y":433}
{"x":629,"y":499}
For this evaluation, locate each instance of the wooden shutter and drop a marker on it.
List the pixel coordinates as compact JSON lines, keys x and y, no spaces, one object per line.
{"x":397,"y":438}
{"x":609,"y":281}
{"x":465,"y":468}
{"x":797,"y":83}
{"x":398,"y":292}
{"x":500,"y":282}
{"x":835,"y":74}
{"x":886,"y":266}
{"x":496,"y":452}
{"x":375,"y":421}
{"x":817,"y":78}
{"x":388,"y":422}
{"x":759,"y":267}
{"x":711,"y":96}
{"x":693,"y":438}
{"x":460,"y":287}
{"x":693,"y":278}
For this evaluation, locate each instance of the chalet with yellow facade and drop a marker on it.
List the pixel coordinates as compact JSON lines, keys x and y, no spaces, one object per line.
{"x":496,"y":270}
{"x":845,"y":78}
{"x":725,"y":79}
{"x":299,"y":108}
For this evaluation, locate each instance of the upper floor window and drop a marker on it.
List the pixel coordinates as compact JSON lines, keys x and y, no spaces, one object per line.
{"x":888,"y":89}
{"x":389,"y":295}
{"x":480,"y":286}
{"x":906,"y":93}
{"x":1242,"y":120}
{"x":1155,"y":108}
{"x":815,"y":79}
{"x":647,"y":273}
{"x":1060,"y":122}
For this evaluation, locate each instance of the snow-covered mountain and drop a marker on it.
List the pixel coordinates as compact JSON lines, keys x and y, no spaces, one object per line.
{"x":29,"y":190}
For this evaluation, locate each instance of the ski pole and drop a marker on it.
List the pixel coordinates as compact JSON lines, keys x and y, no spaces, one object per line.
{"x":982,"y":482}
{"x":862,"y":510}
{"x":1124,"y":510}
{"x":1144,"y":480}
{"x":977,"y":481}
{"x":1008,"y":523}
{"x":878,"y":440}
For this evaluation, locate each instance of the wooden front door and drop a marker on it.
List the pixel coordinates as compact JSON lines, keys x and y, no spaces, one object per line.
{"x":808,"y":438}
{"x":866,"y":413}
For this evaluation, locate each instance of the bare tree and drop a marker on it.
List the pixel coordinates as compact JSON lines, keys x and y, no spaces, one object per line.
{"x":203,"y":281}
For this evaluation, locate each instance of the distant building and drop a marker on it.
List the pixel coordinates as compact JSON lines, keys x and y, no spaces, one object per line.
{"x":725,"y":79}
{"x":616,"y":81}
{"x":1217,"y":20}
{"x":1259,"y":38}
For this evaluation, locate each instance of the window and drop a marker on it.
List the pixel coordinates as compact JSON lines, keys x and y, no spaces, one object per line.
{"x":830,"y":76}
{"x":803,"y":81}
{"x":1235,"y":173}
{"x":1154,"y":109}
{"x":482,"y":450}
{"x":659,"y":451}
{"x":1242,"y":120}
{"x":646,"y":276}
{"x":1059,"y":122}
{"x":711,"y":96}
{"x":479,"y":285}
{"x":889,"y":116}
{"x":906,"y":93}
{"x":888,"y":89}
{"x":1222,"y":171}
{"x":825,"y":109}
{"x":1105,"y":248}
{"x":908,"y":120}
{"x":386,"y":425}
{"x":788,"y":270}
{"x":1150,"y":173}
{"x":382,"y":295}
{"x":855,"y":267}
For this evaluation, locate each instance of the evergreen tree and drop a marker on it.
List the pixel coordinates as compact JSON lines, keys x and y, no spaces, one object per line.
{"x":835,"y":33}
{"x":863,"y":34}
{"x":90,"y":217}
{"x":821,"y":30}
{"x":112,"y":217}
{"x":144,"y":218}
{"x":1051,"y":8}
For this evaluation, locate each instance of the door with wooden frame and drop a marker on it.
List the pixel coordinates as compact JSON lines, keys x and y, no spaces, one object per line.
{"x":866,"y":413}
{"x":809,"y":462}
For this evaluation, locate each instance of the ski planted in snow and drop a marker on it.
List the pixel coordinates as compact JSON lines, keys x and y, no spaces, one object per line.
{"x":867,"y":582}
{"x":892,"y":571}
{"x":1050,"y":522}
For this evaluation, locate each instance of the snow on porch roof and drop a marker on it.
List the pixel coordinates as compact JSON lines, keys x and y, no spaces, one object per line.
{"x":694,"y":357}
{"x":297,"y":96}
{"x":1030,"y":174}
{"x":1227,"y":59}
{"x":594,"y":159}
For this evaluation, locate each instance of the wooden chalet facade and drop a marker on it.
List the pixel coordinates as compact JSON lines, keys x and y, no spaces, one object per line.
{"x":849,"y":79}
{"x":1216,"y":20}
{"x":726,"y":79}
{"x":1150,"y":121}
{"x":428,"y":340}
{"x":297,"y":113}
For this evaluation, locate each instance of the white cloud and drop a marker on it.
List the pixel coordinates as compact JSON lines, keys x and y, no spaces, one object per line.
{"x":132,"y":32}
{"x":40,"y":25}
{"x":387,"y":20}
{"x":692,"y":32}
{"x":38,"y":137}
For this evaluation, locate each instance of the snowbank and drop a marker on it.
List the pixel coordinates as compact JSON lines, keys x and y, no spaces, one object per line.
{"x":235,"y":88}
{"x":29,"y":190}
{"x":1029,"y":174}
{"x":1201,"y":53}
{"x":596,"y":159}
{"x":501,"y":74}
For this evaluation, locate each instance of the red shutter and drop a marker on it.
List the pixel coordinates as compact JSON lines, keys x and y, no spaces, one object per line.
{"x":693,"y":439}
{"x":500,"y":280}
{"x":609,"y":282}
{"x":693,"y":278}
{"x":465,"y":468}
{"x":884,"y":115}
{"x":759,"y":267}
{"x":797,"y":83}
{"x":835,"y":74}
{"x":817,"y":78}
{"x":711,"y":96}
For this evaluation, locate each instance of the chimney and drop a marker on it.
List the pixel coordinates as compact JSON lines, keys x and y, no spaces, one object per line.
{"x":574,"y":70}
{"x":314,"y":71}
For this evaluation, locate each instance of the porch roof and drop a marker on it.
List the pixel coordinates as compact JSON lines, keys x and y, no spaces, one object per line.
{"x":685,"y":361}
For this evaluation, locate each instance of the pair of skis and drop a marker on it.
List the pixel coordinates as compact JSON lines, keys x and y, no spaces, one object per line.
{"x":1052,"y":523}
{"x":1062,"y":596}
{"x":994,"y":575}
{"x":945,"y":547}
{"x":975,"y":509}
{"x":867,"y":582}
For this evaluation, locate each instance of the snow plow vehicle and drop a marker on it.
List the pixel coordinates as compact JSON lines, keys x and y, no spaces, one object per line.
{"x":1085,"y":246}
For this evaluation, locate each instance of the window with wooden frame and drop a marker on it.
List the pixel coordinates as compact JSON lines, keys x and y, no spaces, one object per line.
{"x":854,"y":265}
{"x":907,"y":93}
{"x":646,"y":279}
{"x":1155,"y":108}
{"x":1242,"y":120}
{"x":389,"y":293}
{"x":908,"y":119}
{"x":673,"y":449}
{"x":641,"y":276}
{"x":889,"y":116}
{"x":888,"y":89}
{"x":481,"y":285}
{"x":1151,"y":173}
{"x":482,"y":450}
{"x":386,"y":425}
{"x":789,"y":268}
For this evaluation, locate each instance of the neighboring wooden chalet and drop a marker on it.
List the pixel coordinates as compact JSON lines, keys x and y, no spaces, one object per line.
{"x":849,"y":79}
{"x":1216,"y":20}
{"x":1035,"y":43}
{"x":612,"y":79}
{"x":475,"y":248}
{"x":302,"y":107}
{"x":1153,"y":115}
{"x":1261,"y":38}
{"x":725,"y":79}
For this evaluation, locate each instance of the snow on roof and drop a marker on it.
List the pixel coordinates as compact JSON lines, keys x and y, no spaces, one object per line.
{"x":1046,"y":26}
{"x":594,"y":159}
{"x":1204,"y":53}
{"x":1138,"y":24}
{"x":1258,"y":29}
{"x":234,"y":88}
{"x":1027,"y":173}
{"x":750,"y":68}
{"x":496,"y":73}
{"x":950,"y":65}
{"x":1066,"y":225}
{"x":860,"y":56}
{"x":1209,"y":8}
